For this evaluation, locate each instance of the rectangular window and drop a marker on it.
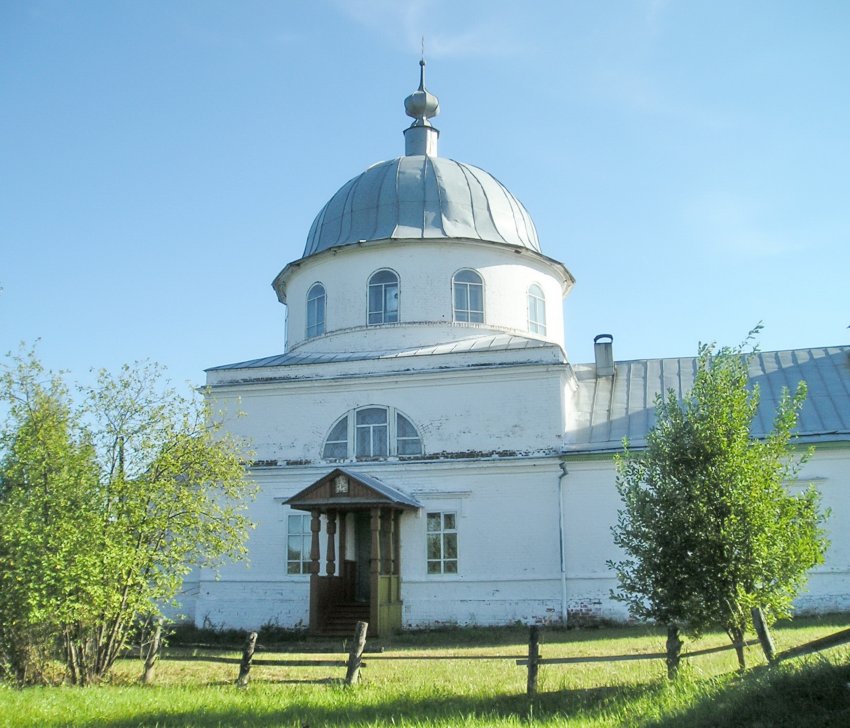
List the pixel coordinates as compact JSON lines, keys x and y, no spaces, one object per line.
{"x":298,"y":539}
{"x":371,"y":433}
{"x":442,"y":543}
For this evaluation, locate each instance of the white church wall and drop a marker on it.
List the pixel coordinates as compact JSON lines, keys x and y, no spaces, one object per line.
{"x":592,"y":502}
{"x":508,"y":544}
{"x":509,"y":550}
{"x":509,"y":564}
{"x":509,"y":559}
{"x":425,"y":283}
{"x":455,"y":411}
{"x":257,"y":591}
{"x":828,"y":588}
{"x":590,"y":510}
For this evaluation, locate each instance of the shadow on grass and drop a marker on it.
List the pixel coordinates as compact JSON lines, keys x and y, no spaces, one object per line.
{"x":810,"y":694}
{"x":348,"y":709}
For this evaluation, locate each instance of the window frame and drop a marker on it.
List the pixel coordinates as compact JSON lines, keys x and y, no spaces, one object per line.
{"x":536,"y":302}
{"x":305,"y":537}
{"x":318,"y":326}
{"x":393,"y":438}
{"x":442,"y":564}
{"x":376,"y":433}
{"x":383,"y":314}
{"x":467,"y":315}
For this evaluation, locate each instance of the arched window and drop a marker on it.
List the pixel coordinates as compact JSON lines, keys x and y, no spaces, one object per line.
{"x":536,"y":310}
{"x":372,"y":432}
{"x":383,"y":298}
{"x":468,"y":297}
{"x":336,"y":444}
{"x":316,"y":300}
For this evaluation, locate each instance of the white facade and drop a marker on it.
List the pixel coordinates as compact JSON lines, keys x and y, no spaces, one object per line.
{"x":425,"y":270}
{"x":511,"y":446}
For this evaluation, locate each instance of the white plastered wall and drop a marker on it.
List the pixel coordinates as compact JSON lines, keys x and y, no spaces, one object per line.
{"x":425,"y":271}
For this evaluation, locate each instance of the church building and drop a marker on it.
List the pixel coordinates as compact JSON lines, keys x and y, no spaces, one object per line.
{"x":425,"y":452}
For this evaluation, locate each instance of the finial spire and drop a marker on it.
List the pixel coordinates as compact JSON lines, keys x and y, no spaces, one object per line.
{"x":421,"y":105}
{"x":420,"y":137}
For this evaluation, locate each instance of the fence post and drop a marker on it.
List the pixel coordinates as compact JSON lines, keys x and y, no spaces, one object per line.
{"x":152,"y":654}
{"x":533,"y":659}
{"x":247,"y":657}
{"x":352,"y":673}
{"x":674,"y":651}
{"x":763,"y":634}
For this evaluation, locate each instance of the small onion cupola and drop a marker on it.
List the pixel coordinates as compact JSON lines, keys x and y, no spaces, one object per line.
{"x":420,"y":138}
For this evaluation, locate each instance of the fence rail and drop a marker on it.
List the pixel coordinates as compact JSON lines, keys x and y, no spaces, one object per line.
{"x":532,"y":661}
{"x":833,"y":640}
{"x":632,"y":656}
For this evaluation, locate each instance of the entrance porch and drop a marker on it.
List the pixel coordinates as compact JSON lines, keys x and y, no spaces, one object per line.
{"x":362,"y":518}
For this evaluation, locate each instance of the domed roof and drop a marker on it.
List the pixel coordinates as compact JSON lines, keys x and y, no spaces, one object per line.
{"x":421,"y":197}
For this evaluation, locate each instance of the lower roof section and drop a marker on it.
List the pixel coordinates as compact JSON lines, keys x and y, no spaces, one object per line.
{"x":491,"y":350}
{"x":609,"y":409}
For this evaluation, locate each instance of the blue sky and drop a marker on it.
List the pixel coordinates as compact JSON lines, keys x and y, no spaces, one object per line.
{"x":160,"y":162}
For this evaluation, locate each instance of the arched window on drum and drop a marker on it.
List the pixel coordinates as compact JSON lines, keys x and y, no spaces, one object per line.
{"x":383,"y":298}
{"x":316,"y":304}
{"x":467,"y":297}
{"x":536,"y":310}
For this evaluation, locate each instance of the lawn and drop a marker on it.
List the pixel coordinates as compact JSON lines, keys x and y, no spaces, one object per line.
{"x":406,"y":686}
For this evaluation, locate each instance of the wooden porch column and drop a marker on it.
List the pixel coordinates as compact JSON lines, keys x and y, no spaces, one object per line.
{"x":396,"y":543}
{"x":375,"y":571}
{"x":331,"y":555}
{"x":343,"y":517}
{"x":315,"y":527}
{"x":389,"y":566}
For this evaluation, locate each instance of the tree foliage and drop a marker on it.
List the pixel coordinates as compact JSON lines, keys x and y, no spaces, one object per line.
{"x":105,"y":507}
{"x":708,"y":526}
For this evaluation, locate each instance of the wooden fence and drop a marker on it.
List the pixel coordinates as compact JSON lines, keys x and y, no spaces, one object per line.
{"x":532,"y":661}
{"x":352,"y":664}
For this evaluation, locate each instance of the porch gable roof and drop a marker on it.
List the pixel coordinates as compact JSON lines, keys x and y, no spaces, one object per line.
{"x":363,"y":491}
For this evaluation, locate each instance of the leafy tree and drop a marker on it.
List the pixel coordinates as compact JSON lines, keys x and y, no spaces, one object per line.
{"x":46,"y":488}
{"x":104,"y":509}
{"x":708,"y":528}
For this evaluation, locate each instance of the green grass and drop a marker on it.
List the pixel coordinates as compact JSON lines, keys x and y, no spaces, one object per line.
{"x":470,"y":692}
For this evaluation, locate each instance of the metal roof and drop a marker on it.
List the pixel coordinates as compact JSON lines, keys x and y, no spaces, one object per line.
{"x":623,"y":406}
{"x":422,"y":197}
{"x":393,"y":494}
{"x":498,"y":342}
{"x":307,"y":496}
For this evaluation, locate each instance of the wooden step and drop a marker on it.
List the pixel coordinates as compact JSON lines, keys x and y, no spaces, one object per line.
{"x":343,"y":618}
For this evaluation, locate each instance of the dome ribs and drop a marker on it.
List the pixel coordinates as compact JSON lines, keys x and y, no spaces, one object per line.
{"x":422,"y":198}
{"x":483,"y":221}
{"x":432,"y":214}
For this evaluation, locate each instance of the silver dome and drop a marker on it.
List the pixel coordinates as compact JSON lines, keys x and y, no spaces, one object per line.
{"x":418,"y":198}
